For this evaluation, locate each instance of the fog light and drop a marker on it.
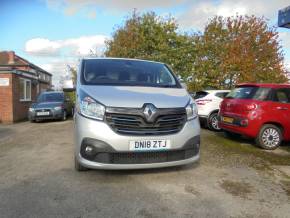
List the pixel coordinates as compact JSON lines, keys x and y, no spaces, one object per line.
{"x":89,"y":149}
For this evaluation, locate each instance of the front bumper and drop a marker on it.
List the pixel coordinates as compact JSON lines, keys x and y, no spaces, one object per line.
{"x":250,"y":130}
{"x":112,"y":144}
{"x":53,"y":115}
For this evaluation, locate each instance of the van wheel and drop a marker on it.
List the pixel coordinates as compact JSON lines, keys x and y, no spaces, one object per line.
{"x":213,"y":122}
{"x":78,"y":166}
{"x":269,"y":137}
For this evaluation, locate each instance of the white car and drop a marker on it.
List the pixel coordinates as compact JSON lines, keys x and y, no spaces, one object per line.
{"x":208,"y":103}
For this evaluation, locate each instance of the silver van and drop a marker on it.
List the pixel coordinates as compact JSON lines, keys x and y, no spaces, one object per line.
{"x":133,"y":114}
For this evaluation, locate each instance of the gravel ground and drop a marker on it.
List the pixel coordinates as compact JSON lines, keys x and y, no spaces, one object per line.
{"x":233,"y":179}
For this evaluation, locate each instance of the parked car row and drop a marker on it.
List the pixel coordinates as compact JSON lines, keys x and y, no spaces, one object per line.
{"x":258,"y":111}
{"x":133,"y":114}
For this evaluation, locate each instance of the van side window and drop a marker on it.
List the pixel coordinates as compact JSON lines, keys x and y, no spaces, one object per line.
{"x":282,"y":95}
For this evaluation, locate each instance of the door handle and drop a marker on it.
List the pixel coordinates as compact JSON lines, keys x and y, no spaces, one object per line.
{"x":282,"y":108}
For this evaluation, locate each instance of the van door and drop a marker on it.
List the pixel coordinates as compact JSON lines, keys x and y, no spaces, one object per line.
{"x":281,"y":109}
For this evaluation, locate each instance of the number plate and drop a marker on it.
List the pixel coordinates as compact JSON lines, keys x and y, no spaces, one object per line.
{"x":228,"y":119}
{"x":44,"y":113}
{"x":149,"y":145}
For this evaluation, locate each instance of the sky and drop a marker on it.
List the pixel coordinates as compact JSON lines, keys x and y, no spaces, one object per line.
{"x":56,"y":33}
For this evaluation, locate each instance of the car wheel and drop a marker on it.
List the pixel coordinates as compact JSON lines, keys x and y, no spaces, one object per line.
{"x":64,"y":116}
{"x":213,"y":122}
{"x":269,"y":137}
{"x":79,"y":167}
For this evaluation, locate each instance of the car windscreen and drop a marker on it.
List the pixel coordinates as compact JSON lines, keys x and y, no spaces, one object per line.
{"x":250,"y":92}
{"x":200,"y":94}
{"x":127,"y":72}
{"x":50,"y":97}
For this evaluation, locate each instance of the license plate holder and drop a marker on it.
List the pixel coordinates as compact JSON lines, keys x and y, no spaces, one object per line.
{"x":149,"y":145}
{"x":42,"y":113}
{"x":227,"y":119}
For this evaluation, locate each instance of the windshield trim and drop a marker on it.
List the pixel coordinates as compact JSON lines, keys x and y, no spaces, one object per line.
{"x":177,"y":83}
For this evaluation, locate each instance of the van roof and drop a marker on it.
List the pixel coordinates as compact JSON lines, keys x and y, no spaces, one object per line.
{"x":266,"y":85}
{"x":112,"y":58}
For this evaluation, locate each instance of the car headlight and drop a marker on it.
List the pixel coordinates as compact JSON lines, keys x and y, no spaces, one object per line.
{"x":88,"y":107}
{"x":57,"y":108}
{"x":31,"y":109}
{"x":191,"y":111}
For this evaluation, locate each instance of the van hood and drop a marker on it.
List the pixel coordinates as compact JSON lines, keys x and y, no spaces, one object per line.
{"x":136,"y":96}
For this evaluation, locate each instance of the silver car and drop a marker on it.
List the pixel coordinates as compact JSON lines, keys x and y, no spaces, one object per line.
{"x":133,"y":114}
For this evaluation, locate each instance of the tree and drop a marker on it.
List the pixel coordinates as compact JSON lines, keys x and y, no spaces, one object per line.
{"x":238,"y":49}
{"x":152,"y":37}
{"x":229,"y":51}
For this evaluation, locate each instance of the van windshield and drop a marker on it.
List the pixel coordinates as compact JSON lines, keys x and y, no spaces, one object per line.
{"x":127,"y":72}
{"x":250,"y":92}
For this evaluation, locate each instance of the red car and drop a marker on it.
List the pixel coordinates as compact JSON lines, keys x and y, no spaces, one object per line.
{"x":260,"y":111}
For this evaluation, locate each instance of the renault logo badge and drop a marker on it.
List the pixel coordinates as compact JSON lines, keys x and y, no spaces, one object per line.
{"x":149,"y":112}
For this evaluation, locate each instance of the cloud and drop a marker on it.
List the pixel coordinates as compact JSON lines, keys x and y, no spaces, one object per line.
{"x":71,"y":7}
{"x":59,"y":69}
{"x":81,"y":46}
{"x":201,"y":11}
{"x":195,"y":15}
{"x":285,"y":39}
{"x":56,"y":55}
{"x":40,"y":46}
{"x":71,"y":10}
{"x":92,"y":14}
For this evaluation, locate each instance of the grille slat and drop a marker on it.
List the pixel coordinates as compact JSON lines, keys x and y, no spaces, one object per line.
{"x":168,"y":121}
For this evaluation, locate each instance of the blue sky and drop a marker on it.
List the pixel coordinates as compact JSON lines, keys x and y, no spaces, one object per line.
{"x":54,"y":33}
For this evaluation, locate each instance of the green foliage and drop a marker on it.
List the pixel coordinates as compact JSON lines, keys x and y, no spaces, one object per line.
{"x":72,"y":96}
{"x":151,"y":37}
{"x":239,"y":49}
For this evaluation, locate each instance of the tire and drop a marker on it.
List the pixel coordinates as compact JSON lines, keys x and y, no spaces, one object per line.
{"x":79,"y":167}
{"x":212,"y":122}
{"x":64,"y":116}
{"x":270,"y":137}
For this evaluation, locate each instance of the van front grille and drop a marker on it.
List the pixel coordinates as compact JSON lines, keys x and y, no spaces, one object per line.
{"x":133,"y":121}
{"x":145,"y":157}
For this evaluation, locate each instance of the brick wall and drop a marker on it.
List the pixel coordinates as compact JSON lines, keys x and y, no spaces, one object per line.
{"x":6,"y":106}
{"x":12,"y":109}
{"x":20,"y":108}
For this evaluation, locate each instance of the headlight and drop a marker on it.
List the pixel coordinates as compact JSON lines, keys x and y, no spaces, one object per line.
{"x":57,"y":108}
{"x":191,"y":111}
{"x":31,"y":109}
{"x":92,"y":109}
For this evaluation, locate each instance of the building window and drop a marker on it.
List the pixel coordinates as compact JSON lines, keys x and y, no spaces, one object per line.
{"x":25,"y":90}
